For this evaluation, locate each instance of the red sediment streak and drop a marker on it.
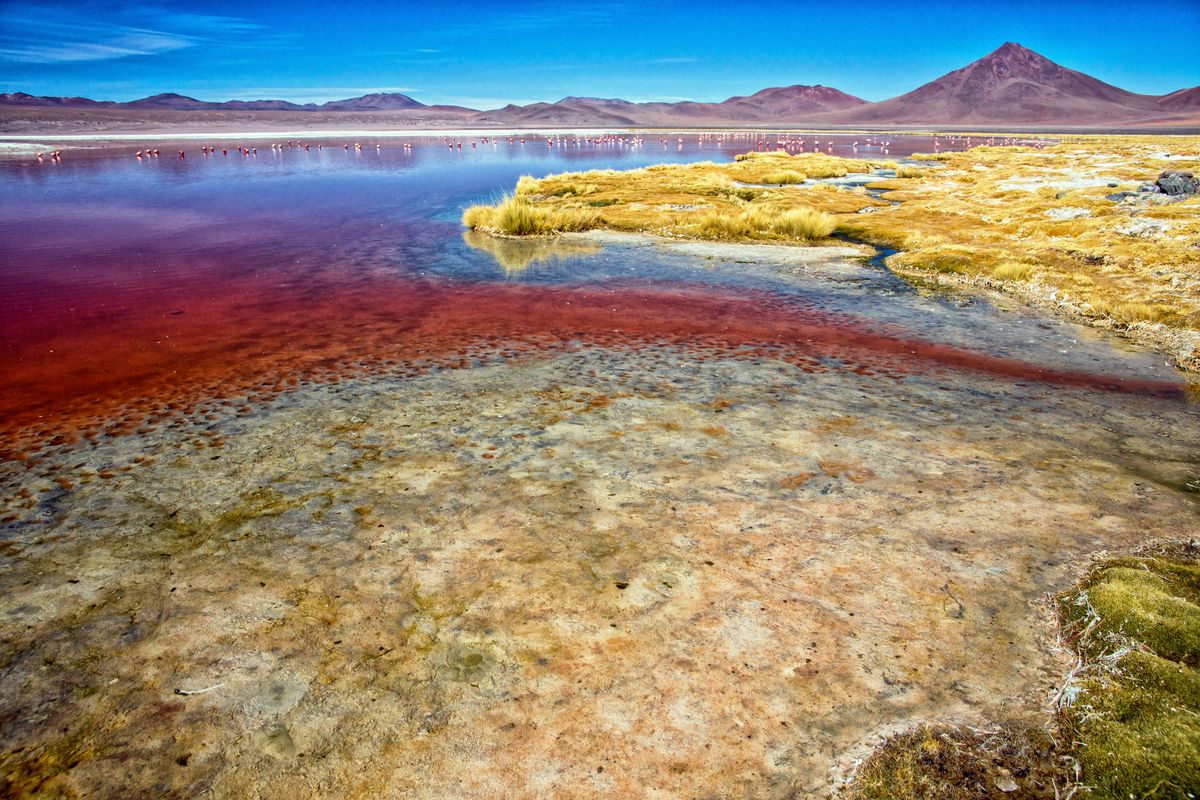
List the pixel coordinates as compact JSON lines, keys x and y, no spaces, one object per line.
{"x":118,"y":369}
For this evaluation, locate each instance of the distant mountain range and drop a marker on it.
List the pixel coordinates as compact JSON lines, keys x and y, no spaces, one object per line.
{"x":768,"y":106}
{"x":178,"y":102}
{"x":1012,"y":86}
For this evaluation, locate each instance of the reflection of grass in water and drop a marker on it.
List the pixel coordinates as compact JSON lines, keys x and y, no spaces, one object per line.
{"x":517,"y":255}
{"x":1131,"y":709}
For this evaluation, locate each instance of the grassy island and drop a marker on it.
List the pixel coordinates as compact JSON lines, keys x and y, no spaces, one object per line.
{"x":1071,"y":225}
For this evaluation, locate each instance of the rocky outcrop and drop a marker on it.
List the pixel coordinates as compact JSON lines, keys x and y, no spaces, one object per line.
{"x":1176,"y":183}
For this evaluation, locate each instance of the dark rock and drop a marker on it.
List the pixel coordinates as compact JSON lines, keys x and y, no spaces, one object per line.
{"x":1117,"y":197}
{"x":1149,"y":187}
{"x":1113,"y":185}
{"x":1176,"y":183}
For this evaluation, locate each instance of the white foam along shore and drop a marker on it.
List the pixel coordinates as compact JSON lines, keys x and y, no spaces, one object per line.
{"x":23,"y":148}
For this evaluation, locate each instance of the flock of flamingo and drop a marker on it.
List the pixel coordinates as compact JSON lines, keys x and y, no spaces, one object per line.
{"x":756,"y":140}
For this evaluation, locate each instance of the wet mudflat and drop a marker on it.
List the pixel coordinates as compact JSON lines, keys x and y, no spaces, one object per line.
{"x":314,"y":497}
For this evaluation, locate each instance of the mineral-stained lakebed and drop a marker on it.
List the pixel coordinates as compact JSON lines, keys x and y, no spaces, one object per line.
{"x":308,"y":492}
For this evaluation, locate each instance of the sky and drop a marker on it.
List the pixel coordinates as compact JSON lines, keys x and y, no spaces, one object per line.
{"x":484,"y":54}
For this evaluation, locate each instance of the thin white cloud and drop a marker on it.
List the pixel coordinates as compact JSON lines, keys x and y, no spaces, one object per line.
{"x":211,"y":23}
{"x":421,"y":55}
{"x":130,"y":43}
{"x":41,"y":34}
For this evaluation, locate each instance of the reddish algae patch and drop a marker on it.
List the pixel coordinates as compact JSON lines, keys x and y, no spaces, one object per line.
{"x":114,"y":373}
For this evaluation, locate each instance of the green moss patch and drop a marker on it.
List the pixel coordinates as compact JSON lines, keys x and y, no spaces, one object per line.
{"x":1135,"y":707}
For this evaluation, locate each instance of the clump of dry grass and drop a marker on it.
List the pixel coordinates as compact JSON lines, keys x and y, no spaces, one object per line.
{"x":759,"y":222}
{"x":827,"y":169}
{"x":754,"y":167}
{"x":1012,"y":271}
{"x":785,"y":177}
{"x":805,"y":223}
{"x":909,"y":171}
{"x":572,"y":189}
{"x":727,"y":226}
{"x":1132,"y":313}
{"x":717,"y":184}
{"x":527,"y":184}
{"x":555,"y":186}
{"x":516,"y":215}
{"x":478,"y":216}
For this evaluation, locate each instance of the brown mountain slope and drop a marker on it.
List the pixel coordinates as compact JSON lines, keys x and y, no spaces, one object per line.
{"x":793,"y":101}
{"x":25,"y":99}
{"x":1183,"y":100}
{"x":1011,"y":86}
{"x":389,"y":101}
{"x":780,"y":105}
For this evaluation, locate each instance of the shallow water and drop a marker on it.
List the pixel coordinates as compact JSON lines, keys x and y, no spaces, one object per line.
{"x":431,"y":514}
